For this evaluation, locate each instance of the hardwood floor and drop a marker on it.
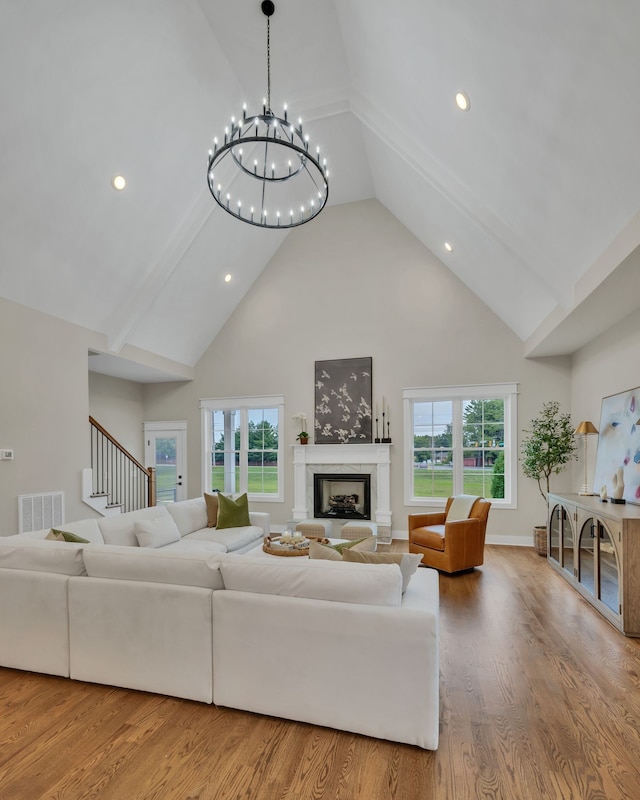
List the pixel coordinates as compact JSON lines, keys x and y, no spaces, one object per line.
{"x":540,"y":698}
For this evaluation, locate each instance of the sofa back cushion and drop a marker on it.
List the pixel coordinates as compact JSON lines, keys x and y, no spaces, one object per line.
{"x":120,"y":529}
{"x":156,"y":532}
{"x":62,"y":558}
{"x":189,"y":515}
{"x":366,"y":584}
{"x":85,"y":528}
{"x":154,"y":566}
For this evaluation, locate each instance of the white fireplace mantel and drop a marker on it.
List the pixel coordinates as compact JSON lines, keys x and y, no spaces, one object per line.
{"x":375,"y":456}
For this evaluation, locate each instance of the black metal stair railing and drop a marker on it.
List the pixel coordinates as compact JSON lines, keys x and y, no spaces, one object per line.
{"x":117,"y":475}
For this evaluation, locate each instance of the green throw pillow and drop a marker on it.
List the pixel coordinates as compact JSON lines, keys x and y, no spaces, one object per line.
{"x":233,"y":513}
{"x":65,"y":536}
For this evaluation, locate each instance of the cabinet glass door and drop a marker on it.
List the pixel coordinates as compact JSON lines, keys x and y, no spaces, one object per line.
{"x":586,"y":553}
{"x":567,"y":544}
{"x":609,"y":575}
{"x":556,"y":532}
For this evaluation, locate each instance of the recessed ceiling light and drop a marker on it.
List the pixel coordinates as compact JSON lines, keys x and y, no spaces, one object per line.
{"x":227,"y":278}
{"x":118,"y":183}
{"x":448,"y":247}
{"x":462,"y":101}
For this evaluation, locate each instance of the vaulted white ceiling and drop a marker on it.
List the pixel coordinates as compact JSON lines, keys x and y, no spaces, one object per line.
{"x":537,"y":187}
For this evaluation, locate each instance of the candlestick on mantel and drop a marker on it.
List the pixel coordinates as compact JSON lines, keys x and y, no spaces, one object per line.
{"x":377,"y":439}
{"x":386,"y":439}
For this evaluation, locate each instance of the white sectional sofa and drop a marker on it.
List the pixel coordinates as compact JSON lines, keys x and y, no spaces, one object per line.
{"x":329,"y":643}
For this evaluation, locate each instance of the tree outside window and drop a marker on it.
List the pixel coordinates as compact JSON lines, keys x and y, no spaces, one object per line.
{"x":243,"y":447}
{"x":461,"y":441}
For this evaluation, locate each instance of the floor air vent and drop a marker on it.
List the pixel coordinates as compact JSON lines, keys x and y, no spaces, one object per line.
{"x":37,"y":511}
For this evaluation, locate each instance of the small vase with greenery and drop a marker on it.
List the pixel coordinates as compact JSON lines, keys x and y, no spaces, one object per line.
{"x":547,"y":449}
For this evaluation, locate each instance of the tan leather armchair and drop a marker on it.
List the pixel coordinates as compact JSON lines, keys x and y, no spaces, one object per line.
{"x":450,"y":546}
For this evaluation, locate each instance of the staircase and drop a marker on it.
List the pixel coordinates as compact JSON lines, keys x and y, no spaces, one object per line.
{"x":116,"y":482}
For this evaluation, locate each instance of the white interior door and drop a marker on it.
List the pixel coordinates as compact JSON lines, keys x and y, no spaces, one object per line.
{"x":165,"y":447}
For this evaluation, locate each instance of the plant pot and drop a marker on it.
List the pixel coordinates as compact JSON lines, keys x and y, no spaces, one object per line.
{"x":540,"y":539}
{"x":304,"y":440}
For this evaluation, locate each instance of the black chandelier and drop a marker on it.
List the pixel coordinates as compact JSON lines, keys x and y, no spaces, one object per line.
{"x":264,"y":172}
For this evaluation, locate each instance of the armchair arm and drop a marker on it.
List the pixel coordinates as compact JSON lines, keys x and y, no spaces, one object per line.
{"x":461,"y":528}
{"x":424,"y":520}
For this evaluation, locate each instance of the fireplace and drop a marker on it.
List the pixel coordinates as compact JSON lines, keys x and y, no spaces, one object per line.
{"x":348,"y":460}
{"x":342,"y":496}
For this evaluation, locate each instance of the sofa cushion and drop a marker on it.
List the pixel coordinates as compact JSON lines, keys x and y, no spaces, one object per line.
{"x":408,"y":562}
{"x":194,"y":546}
{"x":370,"y":584}
{"x":155,"y":566}
{"x":233,"y":513}
{"x":62,"y":558}
{"x":431,"y":536}
{"x":231,"y":538}
{"x":211,"y":502}
{"x":85,"y":528}
{"x":156,"y":532}
{"x":56,"y":535}
{"x":189,"y":515}
{"x":120,"y":529}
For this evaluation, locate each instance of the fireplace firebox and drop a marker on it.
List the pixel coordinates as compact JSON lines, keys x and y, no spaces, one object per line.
{"x":342,"y":496}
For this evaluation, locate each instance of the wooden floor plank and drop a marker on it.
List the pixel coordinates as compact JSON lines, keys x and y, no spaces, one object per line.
{"x":540,"y":698}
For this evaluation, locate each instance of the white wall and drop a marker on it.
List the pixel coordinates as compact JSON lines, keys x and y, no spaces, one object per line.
{"x":606,"y":366}
{"x":118,"y":405}
{"x":43,"y":410}
{"x":355,"y":282}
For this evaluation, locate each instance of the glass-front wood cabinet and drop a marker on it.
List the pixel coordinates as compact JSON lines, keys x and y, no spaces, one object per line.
{"x":596,"y":547}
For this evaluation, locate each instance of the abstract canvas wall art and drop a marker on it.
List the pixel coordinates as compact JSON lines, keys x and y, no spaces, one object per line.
{"x":619,"y":444}
{"x":343,"y":391}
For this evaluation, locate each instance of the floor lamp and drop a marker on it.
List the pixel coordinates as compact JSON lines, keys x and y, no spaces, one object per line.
{"x":585,"y":429}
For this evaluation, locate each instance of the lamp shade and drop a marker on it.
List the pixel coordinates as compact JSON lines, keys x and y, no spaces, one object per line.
{"x":585,"y":428}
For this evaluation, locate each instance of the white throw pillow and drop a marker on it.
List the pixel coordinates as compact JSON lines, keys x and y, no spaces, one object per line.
{"x":156,"y":532}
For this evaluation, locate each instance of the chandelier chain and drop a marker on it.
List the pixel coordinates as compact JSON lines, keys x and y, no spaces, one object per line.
{"x":269,"y":64}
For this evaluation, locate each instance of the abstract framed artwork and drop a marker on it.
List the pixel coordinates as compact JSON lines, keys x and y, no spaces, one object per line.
{"x":343,"y":391}
{"x":619,"y":445}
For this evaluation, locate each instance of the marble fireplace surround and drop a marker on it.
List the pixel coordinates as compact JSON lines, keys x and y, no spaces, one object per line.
{"x":371,"y":459}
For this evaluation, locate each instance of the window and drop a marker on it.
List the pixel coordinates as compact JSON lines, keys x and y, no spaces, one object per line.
{"x":460,"y":440}
{"x":242,"y":446}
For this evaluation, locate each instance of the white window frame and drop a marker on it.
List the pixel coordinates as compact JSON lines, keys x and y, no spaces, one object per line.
{"x":490,"y":391}
{"x":243,"y":405}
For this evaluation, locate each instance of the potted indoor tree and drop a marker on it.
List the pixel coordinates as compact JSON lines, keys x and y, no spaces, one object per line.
{"x":549,"y":445}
